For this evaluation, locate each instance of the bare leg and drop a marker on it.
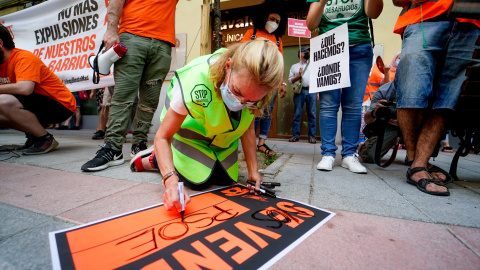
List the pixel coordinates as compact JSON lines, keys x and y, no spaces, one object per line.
{"x":13,"y":115}
{"x":410,"y":121}
{"x":78,"y":117}
{"x":261,"y":141}
{"x":425,"y":143}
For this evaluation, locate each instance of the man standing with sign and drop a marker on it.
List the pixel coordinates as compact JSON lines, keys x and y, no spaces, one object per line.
{"x":300,"y":72}
{"x":30,"y":96}
{"x":327,"y":15}
{"x":140,"y":72}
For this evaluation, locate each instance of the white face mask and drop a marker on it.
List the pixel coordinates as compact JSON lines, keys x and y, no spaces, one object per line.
{"x":271,"y":26}
{"x":230,"y":100}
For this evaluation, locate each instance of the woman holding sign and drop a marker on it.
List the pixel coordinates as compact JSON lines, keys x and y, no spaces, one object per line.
{"x":327,"y":15}
{"x":211,"y":103}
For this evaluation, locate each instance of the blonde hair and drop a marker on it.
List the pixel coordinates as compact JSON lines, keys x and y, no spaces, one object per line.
{"x":260,"y":57}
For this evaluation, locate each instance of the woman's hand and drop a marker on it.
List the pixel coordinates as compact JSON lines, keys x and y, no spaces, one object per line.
{"x":255,"y":176}
{"x":171,"y":198}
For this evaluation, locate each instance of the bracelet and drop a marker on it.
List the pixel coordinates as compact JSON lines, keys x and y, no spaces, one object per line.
{"x":372,"y":114}
{"x":167,"y":175}
{"x":284,"y":83}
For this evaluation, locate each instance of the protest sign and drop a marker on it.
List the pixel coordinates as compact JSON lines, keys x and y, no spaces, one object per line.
{"x":227,"y":228}
{"x":298,"y":28}
{"x":63,"y":34}
{"x":329,"y":67}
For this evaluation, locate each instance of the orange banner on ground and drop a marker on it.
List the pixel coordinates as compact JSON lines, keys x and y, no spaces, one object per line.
{"x":223,"y":229}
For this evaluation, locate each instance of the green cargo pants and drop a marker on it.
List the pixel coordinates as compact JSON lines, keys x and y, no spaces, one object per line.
{"x":141,"y":72}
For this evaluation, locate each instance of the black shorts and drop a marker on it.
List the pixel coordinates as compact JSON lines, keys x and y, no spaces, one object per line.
{"x":48,"y":111}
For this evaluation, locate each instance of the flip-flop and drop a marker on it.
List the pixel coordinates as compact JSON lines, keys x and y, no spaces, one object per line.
{"x":422,"y":183}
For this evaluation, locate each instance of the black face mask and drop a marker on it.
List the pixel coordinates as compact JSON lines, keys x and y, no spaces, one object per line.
{"x":306,"y":55}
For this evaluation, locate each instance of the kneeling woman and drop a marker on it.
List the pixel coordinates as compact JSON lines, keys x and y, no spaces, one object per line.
{"x":210,"y":104}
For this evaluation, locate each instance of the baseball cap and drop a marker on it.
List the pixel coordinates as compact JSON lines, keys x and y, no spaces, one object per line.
{"x":302,"y":49}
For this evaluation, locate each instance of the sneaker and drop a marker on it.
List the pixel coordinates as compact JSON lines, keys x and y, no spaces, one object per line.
{"x":136,"y":148}
{"x":31,"y":140}
{"x":326,"y":164}
{"x":105,"y":157}
{"x":136,"y":162}
{"x":98,"y":135}
{"x":43,"y":145}
{"x":353,"y":164}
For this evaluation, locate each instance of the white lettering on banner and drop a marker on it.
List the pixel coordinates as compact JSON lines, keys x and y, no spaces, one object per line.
{"x":64,"y":35}
{"x":330,"y":60}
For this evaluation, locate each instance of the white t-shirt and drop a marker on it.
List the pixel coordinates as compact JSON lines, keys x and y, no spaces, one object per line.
{"x":177,"y":101}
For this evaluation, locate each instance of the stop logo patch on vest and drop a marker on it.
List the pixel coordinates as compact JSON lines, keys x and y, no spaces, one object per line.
{"x":201,"y":95}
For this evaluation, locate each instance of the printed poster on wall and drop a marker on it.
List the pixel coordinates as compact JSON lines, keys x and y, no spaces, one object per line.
{"x":329,"y":66}
{"x":227,"y":228}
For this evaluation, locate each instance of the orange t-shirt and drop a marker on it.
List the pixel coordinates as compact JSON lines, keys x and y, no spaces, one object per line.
{"x":260,"y":33}
{"x":152,"y":18}
{"x":23,"y":65}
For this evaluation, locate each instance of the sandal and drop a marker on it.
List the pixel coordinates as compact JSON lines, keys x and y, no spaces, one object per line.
{"x":269,"y":152}
{"x":447,"y":149}
{"x":312,"y":140}
{"x":408,"y":162}
{"x":422,"y":183}
{"x":435,"y":169}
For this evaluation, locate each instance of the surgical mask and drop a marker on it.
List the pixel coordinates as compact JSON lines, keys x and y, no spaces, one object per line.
{"x":271,"y":26}
{"x":306,"y":55}
{"x":230,"y":100}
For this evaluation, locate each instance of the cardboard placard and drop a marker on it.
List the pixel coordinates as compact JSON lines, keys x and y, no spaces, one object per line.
{"x":298,"y":28}
{"x":330,"y":59}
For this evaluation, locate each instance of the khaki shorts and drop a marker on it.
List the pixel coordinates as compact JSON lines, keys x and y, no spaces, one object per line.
{"x":107,"y":95}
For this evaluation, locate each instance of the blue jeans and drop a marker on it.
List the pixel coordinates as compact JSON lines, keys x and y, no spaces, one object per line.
{"x":266,"y":120}
{"x":432,"y":76}
{"x":298,"y":101}
{"x":351,"y":99}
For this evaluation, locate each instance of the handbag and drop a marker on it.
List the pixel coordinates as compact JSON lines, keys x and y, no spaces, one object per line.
{"x":297,"y":86}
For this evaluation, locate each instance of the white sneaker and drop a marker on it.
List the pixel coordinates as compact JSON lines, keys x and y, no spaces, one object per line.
{"x":326,"y":164}
{"x":352,"y":163}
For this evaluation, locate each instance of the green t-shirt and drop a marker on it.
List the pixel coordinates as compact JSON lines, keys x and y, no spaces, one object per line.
{"x":338,"y":12}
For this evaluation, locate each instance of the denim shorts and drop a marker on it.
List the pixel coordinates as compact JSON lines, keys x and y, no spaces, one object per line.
{"x":77,"y":98}
{"x":431,"y":77}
